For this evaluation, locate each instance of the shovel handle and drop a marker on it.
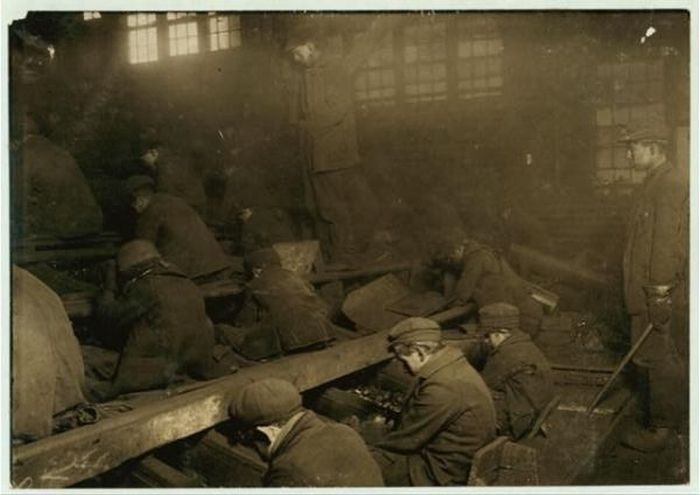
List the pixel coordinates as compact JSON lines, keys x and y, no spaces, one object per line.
{"x":620,"y":367}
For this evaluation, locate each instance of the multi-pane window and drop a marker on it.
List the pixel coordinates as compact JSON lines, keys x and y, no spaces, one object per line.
{"x":479,"y":63}
{"x":91,"y":16}
{"x":143,"y":38}
{"x":183,"y":35}
{"x":224,"y":31}
{"x":375,"y":82}
{"x":631,"y":96}
{"x":425,"y":60}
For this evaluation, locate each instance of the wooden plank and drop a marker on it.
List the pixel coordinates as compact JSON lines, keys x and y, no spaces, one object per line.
{"x":330,"y":276}
{"x":154,"y":473}
{"x":65,"y":459}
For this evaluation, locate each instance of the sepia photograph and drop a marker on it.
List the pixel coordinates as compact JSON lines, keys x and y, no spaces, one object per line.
{"x":292,"y":248}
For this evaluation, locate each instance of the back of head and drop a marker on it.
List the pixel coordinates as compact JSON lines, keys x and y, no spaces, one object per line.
{"x":265,"y":402}
{"x":136,"y":253}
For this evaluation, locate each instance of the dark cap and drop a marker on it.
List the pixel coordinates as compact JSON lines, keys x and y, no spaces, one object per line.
{"x":138,"y":182}
{"x":413,"y":330}
{"x":135,"y":253}
{"x":265,"y":402}
{"x":499,"y":315}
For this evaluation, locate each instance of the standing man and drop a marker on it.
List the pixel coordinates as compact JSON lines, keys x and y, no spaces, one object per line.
{"x":516,"y":371}
{"x":447,"y":417}
{"x":655,"y":269}
{"x":336,"y":190}
{"x":302,"y":450}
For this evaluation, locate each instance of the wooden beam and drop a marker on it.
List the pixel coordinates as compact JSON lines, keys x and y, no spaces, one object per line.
{"x":331,"y":276}
{"x":154,"y":473}
{"x":67,"y":458}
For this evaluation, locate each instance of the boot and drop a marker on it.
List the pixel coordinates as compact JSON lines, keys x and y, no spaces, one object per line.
{"x":646,"y":439}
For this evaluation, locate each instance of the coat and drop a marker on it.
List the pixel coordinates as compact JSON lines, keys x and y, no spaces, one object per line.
{"x":52,"y":196}
{"x":447,"y":417}
{"x":283,"y":303}
{"x":486,"y":278}
{"x":521,"y":383}
{"x":181,"y":236}
{"x":176,"y":176}
{"x":161,"y":330}
{"x":656,"y":251}
{"x":319,"y":454}
{"x":48,"y":374}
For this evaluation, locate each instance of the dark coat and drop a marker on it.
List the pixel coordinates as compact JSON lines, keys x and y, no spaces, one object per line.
{"x":52,"y":196}
{"x":181,"y":236}
{"x":282,"y":302}
{"x":163,"y":327}
{"x":315,"y":453}
{"x":177,"y":177}
{"x":486,"y":278}
{"x":657,"y":246}
{"x":447,"y":417}
{"x":521,"y":383}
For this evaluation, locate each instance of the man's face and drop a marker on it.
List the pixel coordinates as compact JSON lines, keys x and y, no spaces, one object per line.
{"x":642,"y":155}
{"x":150,"y":157}
{"x":305,"y":54}
{"x":140,"y":202}
{"x":412,"y":359}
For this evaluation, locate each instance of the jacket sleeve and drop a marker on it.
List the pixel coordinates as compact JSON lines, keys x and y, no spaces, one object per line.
{"x":121,"y":313}
{"x":428,"y":414}
{"x":670,"y":208}
{"x":278,"y":478}
{"x":472,"y":271}
{"x":148,"y":224}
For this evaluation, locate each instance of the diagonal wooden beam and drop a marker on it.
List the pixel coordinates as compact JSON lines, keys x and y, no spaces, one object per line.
{"x":67,"y":458}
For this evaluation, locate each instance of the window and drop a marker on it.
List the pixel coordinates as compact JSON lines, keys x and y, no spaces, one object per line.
{"x":224,"y":31}
{"x":91,"y":16}
{"x":183,"y":35}
{"x":631,"y":95}
{"x":479,"y":64}
{"x":425,"y":57}
{"x":375,"y":83}
{"x":143,"y":38}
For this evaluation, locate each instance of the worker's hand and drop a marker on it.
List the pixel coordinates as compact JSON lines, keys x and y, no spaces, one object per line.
{"x":659,"y":309}
{"x":245,"y":214}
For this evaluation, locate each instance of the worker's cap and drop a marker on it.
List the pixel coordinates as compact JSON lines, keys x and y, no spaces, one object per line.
{"x":137,"y":183}
{"x":135,"y":253}
{"x":646,"y":134}
{"x":413,"y":330}
{"x":262,"y":258}
{"x":265,"y":402}
{"x":498,"y":316}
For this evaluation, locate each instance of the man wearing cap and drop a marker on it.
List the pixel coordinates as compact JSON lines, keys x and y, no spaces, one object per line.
{"x":156,"y":319}
{"x":448,"y":414}
{"x":177,"y":231}
{"x":323,"y":107}
{"x":484,"y":277}
{"x":282,"y":312}
{"x":301,"y":449}
{"x":655,"y":267}
{"x":516,"y":371}
{"x":175,"y":175}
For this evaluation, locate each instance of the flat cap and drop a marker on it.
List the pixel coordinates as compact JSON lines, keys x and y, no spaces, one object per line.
{"x":135,"y":253}
{"x":648,"y":134}
{"x":415,"y":330}
{"x":138,"y":182}
{"x":265,"y":401}
{"x":499,"y":315}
